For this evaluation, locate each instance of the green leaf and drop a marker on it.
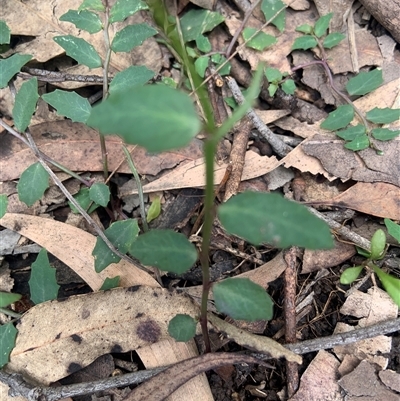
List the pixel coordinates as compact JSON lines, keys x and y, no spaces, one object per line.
{"x":195,"y":22}
{"x":124,"y":8}
{"x":3,"y":205}
{"x":43,"y":284}
{"x":305,"y":28}
{"x":86,"y":20}
{"x":322,"y":25}
{"x":350,"y":275}
{"x":80,"y":50}
{"x":333,"y":39}
{"x":8,"y":334}
{"x":165,"y":249}
{"x":155,"y":117}
{"x":241,"y":299}
{"x":393,"y":229}
{"x":304,"y":42}
{"x":7,"y":298}
{"x":25,"y":104}
{"x":32,"y":184}
{"x":383,"y":116}
{"x":69,"y":104}
{"x":270,"y":8}
{"x":95,"y":5}
{"x":83,"y":199}
{"x":364,"y":82}
{"x":218,"y":59}
{"x":390,"y":284}
{"x":352,"y":132}
{"x":358,"y":143}
{"x":260,"y":41}
{"x":133,"y":76}
{"x":132,"y":36}
{"x":384,"y":134}
{"x":203,"y":44}
{"x":201,"y":65}
{"x":182,"y":327}
{"x":273,"y":74}
{"x":378,"y":244}
{"x":289,"y":87}
{"x":339,"y":118}
{"x":5,"y":33}
{"x":170,"y":82}
{"x":268,"y":218}
{"x":10,"y":66}
{"x":272,"y":88}
{"x":154,"y":210}
{"x":122,"y":234}
{"x":110,"y":283}
{"x":100,"y":194}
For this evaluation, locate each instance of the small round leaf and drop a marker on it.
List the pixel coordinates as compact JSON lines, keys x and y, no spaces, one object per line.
{"x":182,"y":327}
{"x":378,"y":244}
{"x":350,"y":275}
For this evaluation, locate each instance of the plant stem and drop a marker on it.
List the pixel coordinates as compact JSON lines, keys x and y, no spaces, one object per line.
{"x":10,"y":313}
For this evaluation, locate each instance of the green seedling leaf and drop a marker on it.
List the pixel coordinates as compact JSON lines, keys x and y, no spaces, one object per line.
{"x":365,"y":82}
{"x":218,"y":59}
{"x":260,"y":41}
{"x":201,"y":65}
{"x":383,"y":116}
{"x":154,"y":210}
{"x":352,"y":132}
{"x":25,"y":104}
{"x":80,"y":50}
{"x":378,"y":245}
{"x":170,"y":82}
{"x":350,"y":275}
{"x":196,"y":22}
{"x":339,"y":118}
{"x":306,"y":28}
{"x":268,"y":218}
{"x":333,"y":39}
{"x":43,"y":284}
{"x":390,"y":284}
{"x":203,"y":44}
{"x":5,"y":33}
{"x":289,"y":87}
{"x":69,"y":104}
{"x":273,"y":75}
{"x":7,"y":298}
{"x":8,"y":334}
{"x":241,"y":299}
{"x":10,"y":66}
{"x":155,"y":117}
{"x":133,"y":76}
{"x":3,"y":204}
{"x":182,"y":328}
{"x":363,"y":252}
{"x":393,"y":229}
{"x":95,"y":5}
{"x":110,"y":283}
{"x":272,"y":88}
{"x":122,"y":234}
{"x":86,"y":20}
{"x":304,"y":42}
{"x":83,"y":199}
{"x":165,"y":249}
{"x":358,"y":143}
{"x":384,"y":134}
{"x":32,"y":184}
{"x":100,"y":194}
{"x":132,"y":36}
{"x":124,"y":8}
{"x":270,"y":8}
{"x":322,"y":25}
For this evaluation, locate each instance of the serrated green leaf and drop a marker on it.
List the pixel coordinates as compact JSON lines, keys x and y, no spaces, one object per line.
{"x":132,"y":36}
{"x":5,"y":33}
{"x":352,"y":132}
{"x":196,"y":22}
{"x":69,"y":104}
{"x":305,"y":28}
{"x":83,"y":199}
{"x":378,"y":244}
{"x":8,"y":334}
{"x":110,"y":283}
{"x":350,"y":275}
{"x":384,"y":134}
{"x":393,"y":229}
{"x":260,"y":42}
{"x":201,"y":65}
{"x":10,"y":66}
{"x":241,"y":299}
{"x":3,"y":204}
{"x":270,"y":8}
{"x":333,"y":39}
{"x":182,"y":327}
{"x":289,"y":87}
{"x":338,"y":118}
{"x":122,"y":234}
{"x":383,"y":116}
{"x":154,"y":209}
{"x":100,"y":194}
{"x":203,"y":44}
{"x":358,"y":143}
{"x":365,"y":82}
{"x":124,"y":8}
{"x":80,"y":50}
{"x":86,"y":20}
{"x":25,"y":104}
{"x":272,"y":88}
{"x":32,"y":184}
{"x":95,"y":5}
{"x":390,"y":284}
{"x":165,"y":249}
{"x":163,"y":118}
{"x":133,"y":76}
{"x":7,"y":298}
{"x":322,"y":25}
{"x":273,"y":75}
{"x":269,"y":218}
{"x":42,"y":283}
{"x":304,"y":42}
